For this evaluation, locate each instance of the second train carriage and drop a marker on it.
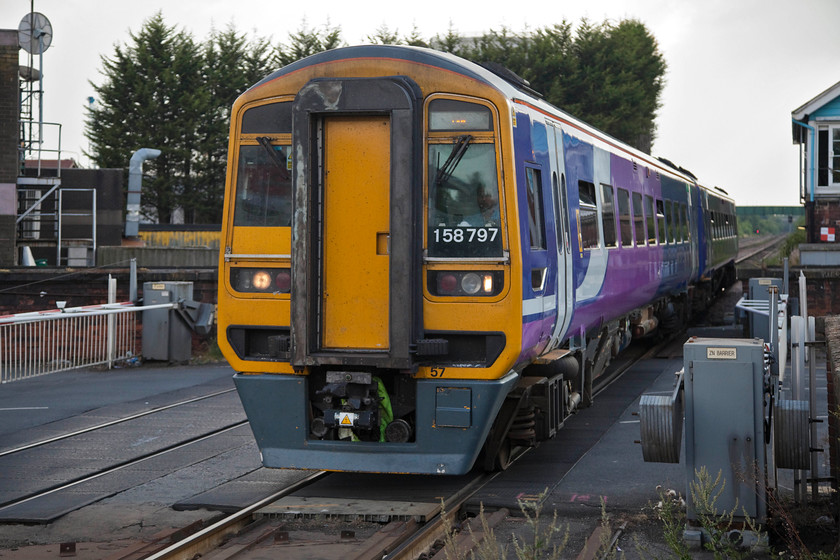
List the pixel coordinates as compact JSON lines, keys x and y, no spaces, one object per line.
{"x":422,"y":259}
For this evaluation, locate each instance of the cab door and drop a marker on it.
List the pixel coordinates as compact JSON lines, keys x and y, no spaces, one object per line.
{"x":355,"y":293}
{"x":357,"y":196}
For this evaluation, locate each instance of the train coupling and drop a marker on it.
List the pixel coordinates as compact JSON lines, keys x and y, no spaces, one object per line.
{"x":349,"y":403}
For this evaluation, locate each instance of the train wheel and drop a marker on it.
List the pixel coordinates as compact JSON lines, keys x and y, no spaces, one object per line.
{"x":503,"y":461}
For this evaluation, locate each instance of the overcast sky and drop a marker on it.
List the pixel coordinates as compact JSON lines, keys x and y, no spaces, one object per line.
{"x":736,"y":68}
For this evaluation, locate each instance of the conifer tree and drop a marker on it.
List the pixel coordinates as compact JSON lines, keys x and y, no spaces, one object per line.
{"x":152,"y":97}
{"x":164,"y":90}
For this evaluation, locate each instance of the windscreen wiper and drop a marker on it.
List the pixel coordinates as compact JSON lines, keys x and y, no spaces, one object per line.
{"x":458,"y":150}
{"x":280,"y":162}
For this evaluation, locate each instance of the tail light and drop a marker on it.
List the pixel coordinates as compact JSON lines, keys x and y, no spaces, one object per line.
{"x":261,"y":280}
{"x":465,"y":282}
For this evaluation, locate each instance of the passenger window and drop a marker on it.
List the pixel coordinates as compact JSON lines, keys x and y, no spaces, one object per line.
{"x":660,"y":222}
{"x":263,"y":186}
{"x":651,"y":220}
{"x":672,"y":221}
{"x":686,"y":229}
{"x":536,"y":222}
{"x":625,"y":226}
{"x":608,"y":216}
{"x":588,"y":216}
{"x":638,"y":220}
{"x":678,"y":223}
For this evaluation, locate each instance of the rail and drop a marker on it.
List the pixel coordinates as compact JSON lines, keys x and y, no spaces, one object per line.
{"x":42,"y":342}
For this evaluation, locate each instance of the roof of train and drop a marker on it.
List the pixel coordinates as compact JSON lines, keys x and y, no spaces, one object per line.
{"x":512,"y":90}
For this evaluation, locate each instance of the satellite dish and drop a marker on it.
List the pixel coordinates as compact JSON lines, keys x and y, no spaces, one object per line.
{"x":35,"y":33}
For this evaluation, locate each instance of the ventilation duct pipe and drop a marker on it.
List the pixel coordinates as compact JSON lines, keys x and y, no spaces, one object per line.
{"x":135,"y":182}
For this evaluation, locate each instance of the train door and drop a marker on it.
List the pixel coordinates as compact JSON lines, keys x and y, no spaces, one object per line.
{"x":356,"y":196}
{"x":538,"y":228}
{"x":564,"y":291}
{"x":356,"y":152}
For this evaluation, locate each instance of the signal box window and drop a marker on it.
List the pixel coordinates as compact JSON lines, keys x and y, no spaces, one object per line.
{"x":589,"y":238}
{"x":608,"y":216}
{"x":638,"y":219}
{"x":263,"y":186}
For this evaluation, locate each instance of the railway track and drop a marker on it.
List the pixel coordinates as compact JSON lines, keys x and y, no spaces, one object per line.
{"x":67,"y":456}
{"x":759,"y":249}
{"x":110,"y":423}
{"x":268,"y":528}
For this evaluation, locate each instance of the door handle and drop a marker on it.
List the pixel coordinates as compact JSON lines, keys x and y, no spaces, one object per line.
{"x":383,"y":243}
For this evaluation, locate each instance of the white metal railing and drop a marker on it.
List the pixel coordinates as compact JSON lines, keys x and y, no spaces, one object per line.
{"x":42,"y":342}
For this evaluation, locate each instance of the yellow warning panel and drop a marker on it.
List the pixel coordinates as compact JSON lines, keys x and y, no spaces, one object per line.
{"x":357,"y":169}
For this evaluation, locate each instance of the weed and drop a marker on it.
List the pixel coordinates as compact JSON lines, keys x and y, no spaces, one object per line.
{"x":542,"y":535}
{"x":671,"y":512}
{"x":487,"y":545}
{"x":207,"y":351}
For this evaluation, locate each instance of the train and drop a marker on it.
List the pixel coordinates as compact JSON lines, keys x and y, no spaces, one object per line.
{"x":425,"y":266}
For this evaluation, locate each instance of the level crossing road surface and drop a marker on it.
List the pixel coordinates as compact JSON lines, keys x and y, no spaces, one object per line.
{"x":593,"y":463}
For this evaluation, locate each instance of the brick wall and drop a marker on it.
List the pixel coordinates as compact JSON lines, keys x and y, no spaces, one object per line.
{"x":822,"y":286}
{"x":36,"y":289}
{"x":9,"y":110}
{"x":822,"y":213}
{"x":9,"y":115}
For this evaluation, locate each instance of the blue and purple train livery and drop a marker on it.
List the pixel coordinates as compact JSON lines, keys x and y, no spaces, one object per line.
{"x":426,"y":265}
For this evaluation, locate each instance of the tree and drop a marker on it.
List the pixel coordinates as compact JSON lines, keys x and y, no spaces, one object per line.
{"x":609,"y":75}
{"x":231,"y":65}
{"x":415,"y":39}
{"x":307,"y":41}
{"x":163,"y":90}
{"x":384,"y":36}
{"x":152,"y":97}
{"x":618,"y":80}
{"x":451,"y":42}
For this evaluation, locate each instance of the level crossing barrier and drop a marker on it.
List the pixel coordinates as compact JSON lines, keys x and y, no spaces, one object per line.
{"x":43,"y":342}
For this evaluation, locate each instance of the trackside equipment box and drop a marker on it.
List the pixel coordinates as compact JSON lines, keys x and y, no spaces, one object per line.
{"x":725,"y":409}
{"x":165,"y":336}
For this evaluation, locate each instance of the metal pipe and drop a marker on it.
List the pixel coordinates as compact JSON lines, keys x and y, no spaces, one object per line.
{"x":812,"y":406}
{"x":135,"y":183}
{"x":132,"y":281}
{"x":786,"y":281}
{"x":811,"y":154}
{"x":773,"y":325}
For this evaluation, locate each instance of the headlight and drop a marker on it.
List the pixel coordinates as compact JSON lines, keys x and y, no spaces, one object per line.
{"x":465,"y":282}
{"x":471,"y":283}
{"x":261,"y":280}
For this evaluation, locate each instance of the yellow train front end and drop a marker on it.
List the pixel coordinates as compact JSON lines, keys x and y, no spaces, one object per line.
{"x":370,"y":297}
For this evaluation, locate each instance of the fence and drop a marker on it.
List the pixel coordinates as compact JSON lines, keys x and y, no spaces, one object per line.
{"x":42,"y":342}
